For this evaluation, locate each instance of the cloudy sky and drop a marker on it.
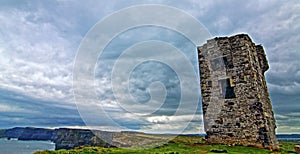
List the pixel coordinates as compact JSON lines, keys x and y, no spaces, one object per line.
{"x":39,"y":42}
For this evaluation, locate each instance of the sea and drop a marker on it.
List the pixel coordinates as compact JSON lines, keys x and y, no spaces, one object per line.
{"x":14,"y":146}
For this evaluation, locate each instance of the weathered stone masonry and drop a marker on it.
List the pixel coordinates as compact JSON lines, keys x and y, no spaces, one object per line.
{"x":236,"y":105}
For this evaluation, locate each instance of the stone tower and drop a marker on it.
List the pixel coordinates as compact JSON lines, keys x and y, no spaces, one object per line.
{"x":236,"y":105}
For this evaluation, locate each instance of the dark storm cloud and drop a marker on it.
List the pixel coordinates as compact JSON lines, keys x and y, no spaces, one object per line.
{"x":20,"y":110}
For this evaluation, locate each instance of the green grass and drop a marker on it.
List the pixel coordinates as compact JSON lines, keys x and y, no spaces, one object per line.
{"x":181,"y":144}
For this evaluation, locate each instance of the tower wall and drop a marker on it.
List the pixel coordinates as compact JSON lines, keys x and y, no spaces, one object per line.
{"x":236,"y":105}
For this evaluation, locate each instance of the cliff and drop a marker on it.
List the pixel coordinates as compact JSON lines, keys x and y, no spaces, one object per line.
{"x":65,"y":138}
{"x":29,"y":133}
{"x":62,"y":137}
{"x":2,"y":133}
{"x":70,"y":138}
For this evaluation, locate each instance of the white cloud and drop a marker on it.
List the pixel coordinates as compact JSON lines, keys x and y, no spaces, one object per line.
{"x":173,"y":119}
{"x":289,"y":89}
{"x":35,"y":59}
{"x":4,"y":108}
{"x":288,"y":129}
{"x":175,"y":128}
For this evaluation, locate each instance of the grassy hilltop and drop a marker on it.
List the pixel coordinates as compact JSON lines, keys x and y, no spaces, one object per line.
{"x":180,"y":144}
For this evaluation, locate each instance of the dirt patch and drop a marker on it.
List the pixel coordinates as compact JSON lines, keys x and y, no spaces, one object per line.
{"x":197,"y":145}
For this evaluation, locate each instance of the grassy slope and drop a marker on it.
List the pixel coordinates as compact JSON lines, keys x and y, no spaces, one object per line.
{"x":181,"y":144}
